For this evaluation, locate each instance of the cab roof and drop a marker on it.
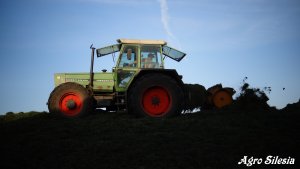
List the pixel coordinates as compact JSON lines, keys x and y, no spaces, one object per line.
{"x":138,"y":41}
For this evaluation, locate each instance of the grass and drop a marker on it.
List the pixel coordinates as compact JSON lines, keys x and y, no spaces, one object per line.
{"x":210,"y":139}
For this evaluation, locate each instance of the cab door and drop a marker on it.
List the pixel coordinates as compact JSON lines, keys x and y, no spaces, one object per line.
{"x":127,"y":66}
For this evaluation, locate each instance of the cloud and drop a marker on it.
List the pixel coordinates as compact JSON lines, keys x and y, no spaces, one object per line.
{"x":165,"y":21}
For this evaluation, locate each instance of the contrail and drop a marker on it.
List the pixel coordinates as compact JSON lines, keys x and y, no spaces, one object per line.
{"x":165,"y":21}
{"x":165,"y":16}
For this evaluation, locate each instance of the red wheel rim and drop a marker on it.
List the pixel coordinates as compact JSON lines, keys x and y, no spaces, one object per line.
{"x":70,"y":104}
{"x":156,"y":101}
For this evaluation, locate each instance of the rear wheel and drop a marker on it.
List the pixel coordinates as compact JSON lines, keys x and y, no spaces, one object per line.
{"x":222,"y":98}
{"x":156,"y":95}
{"x":70,"y":100}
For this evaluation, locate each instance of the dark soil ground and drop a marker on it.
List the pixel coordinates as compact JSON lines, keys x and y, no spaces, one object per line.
{"x":209,"y":139}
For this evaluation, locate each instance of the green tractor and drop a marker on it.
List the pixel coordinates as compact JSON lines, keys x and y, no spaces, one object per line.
{"x":138,"y":83}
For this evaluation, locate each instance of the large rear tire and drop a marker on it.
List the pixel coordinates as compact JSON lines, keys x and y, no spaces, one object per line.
{"x":70,"y":100}
{"x":155,"y":95}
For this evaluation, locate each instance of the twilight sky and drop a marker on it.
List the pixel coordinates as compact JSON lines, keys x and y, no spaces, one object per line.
{"x":225,"y":41}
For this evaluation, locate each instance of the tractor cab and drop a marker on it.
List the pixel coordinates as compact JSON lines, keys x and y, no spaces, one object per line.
{"x":136,"y":56}
{"x":141,"y":53}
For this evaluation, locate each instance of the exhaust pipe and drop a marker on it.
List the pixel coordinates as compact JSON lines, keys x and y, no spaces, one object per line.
{"x":91,"y":83}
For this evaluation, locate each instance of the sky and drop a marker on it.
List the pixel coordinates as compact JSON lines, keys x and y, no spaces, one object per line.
{"x":225,"y":41}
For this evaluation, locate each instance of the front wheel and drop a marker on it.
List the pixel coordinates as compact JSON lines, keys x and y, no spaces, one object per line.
{"x":156,"y":95}
{"x":70,"y":100}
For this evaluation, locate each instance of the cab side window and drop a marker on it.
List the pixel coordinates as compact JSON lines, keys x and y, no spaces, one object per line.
{"x":150,"y":57}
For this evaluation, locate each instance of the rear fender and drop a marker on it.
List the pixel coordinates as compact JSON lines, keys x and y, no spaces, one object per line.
{"x":169,"y":72}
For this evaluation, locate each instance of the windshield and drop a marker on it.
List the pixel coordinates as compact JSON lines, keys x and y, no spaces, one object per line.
{"x":128,"y":58}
